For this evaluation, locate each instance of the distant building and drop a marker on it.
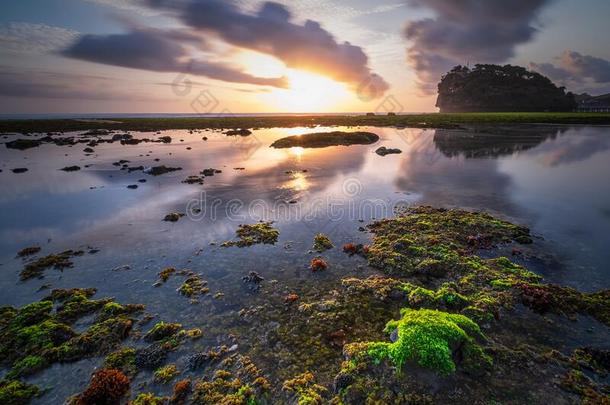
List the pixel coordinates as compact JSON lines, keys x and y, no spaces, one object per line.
{"x":594,"y":104}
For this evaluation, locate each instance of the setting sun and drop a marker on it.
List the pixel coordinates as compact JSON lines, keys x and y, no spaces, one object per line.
{"x":308,"y":92}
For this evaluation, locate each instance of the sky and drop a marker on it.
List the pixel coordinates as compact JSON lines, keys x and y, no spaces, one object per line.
{"x":250,"y":56}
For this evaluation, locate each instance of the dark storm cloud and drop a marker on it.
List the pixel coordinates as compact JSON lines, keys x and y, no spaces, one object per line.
{"x":272,"y":32}
{"x":160,"y":51}
{"x":462,"y":31}
{"x":576,"y":67}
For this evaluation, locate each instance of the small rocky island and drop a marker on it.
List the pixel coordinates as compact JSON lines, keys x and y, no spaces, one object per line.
{"x":494,"y":88}
{"x":325,"y":139}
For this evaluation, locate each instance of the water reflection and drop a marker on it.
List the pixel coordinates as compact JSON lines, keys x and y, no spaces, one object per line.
{"x":550,"y":178}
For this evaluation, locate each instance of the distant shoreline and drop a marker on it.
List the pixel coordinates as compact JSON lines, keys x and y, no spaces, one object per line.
{"x":428,"y":120}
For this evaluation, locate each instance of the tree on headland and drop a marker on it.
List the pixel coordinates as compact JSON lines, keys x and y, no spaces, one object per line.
{"x":495,"y":88}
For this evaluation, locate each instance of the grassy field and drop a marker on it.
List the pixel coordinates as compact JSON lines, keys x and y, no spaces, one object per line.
{"x":432,"y":120}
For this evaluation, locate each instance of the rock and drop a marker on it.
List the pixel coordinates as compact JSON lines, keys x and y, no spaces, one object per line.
{"x":19,"y":170}
{"x":23,"y":144}
{"x":150,"y":357}
{"x":210,"y":172}
{"x":240,"y":132}
{"x":88,"y":150}
{"x":382,"y":151}
{"x":71,"y":168}
{"x":132,"y":186}
{"x":326,"y":139}
{"x":165,"y":139}
{"x":253,"y":279}
{"x":159,"y":170}
{"x":121,"y":137}
{"x":173,"y":217}
{"x":342,"y":381}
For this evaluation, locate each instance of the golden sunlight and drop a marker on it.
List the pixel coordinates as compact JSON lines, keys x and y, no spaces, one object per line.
{"x":308,"y":92}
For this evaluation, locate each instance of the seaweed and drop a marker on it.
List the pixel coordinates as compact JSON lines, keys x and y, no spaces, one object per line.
{"x":58,"y":261}
{"x":253,"y":234}
{"x":321,"y":243}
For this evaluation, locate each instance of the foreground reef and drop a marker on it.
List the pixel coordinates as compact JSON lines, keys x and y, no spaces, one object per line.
{"x":443,"y":310}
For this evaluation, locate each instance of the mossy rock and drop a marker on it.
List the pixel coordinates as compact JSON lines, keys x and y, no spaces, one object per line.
{"x":432,"y":339}
{"x":253,"y":234}
{"x":14,"y":392}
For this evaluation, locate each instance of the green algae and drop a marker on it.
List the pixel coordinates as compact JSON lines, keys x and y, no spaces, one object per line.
{"x":193,"y":286}
{"x":321,"y":243}
{"x":429,"y":338}
{"x":13,"y":392}
{"x":305,"y":389}
{"x":147,"y":398}
{"x":565,"y":300}
{"x":40,"y":334}
{"x":166,"y":373}
{"x":58,"y":261}
{"x":427,"y":239}
{"x":237,"y":381}
{"x":253,"y":234}
{"x":123,"y":359}
{"x":162,"y":331}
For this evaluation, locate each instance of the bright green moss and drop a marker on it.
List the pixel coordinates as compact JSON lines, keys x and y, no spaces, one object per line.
{"x":28,"y":365}
{"x":429,"y":338}
{"x":33,"y":313}
{"x":113,"y":308}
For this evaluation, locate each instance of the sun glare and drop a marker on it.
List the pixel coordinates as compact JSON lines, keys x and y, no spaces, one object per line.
{"x":308,"y":92}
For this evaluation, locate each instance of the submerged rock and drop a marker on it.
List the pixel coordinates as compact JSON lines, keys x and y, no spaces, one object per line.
{"x":173,"y":217}
{"x":28,"y":251}
{"x":253,"y":280}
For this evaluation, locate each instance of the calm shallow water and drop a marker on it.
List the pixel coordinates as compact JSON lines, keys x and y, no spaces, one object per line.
{"x":550,"y":178}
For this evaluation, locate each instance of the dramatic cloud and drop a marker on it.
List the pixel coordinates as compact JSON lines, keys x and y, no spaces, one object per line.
{"x":474,"y":31}
{"x":15,"y":82}
{"x":270,"y":31}
{"x":573,"y":66}
{"x":161,"y":51}
{"x":34,"y":38}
